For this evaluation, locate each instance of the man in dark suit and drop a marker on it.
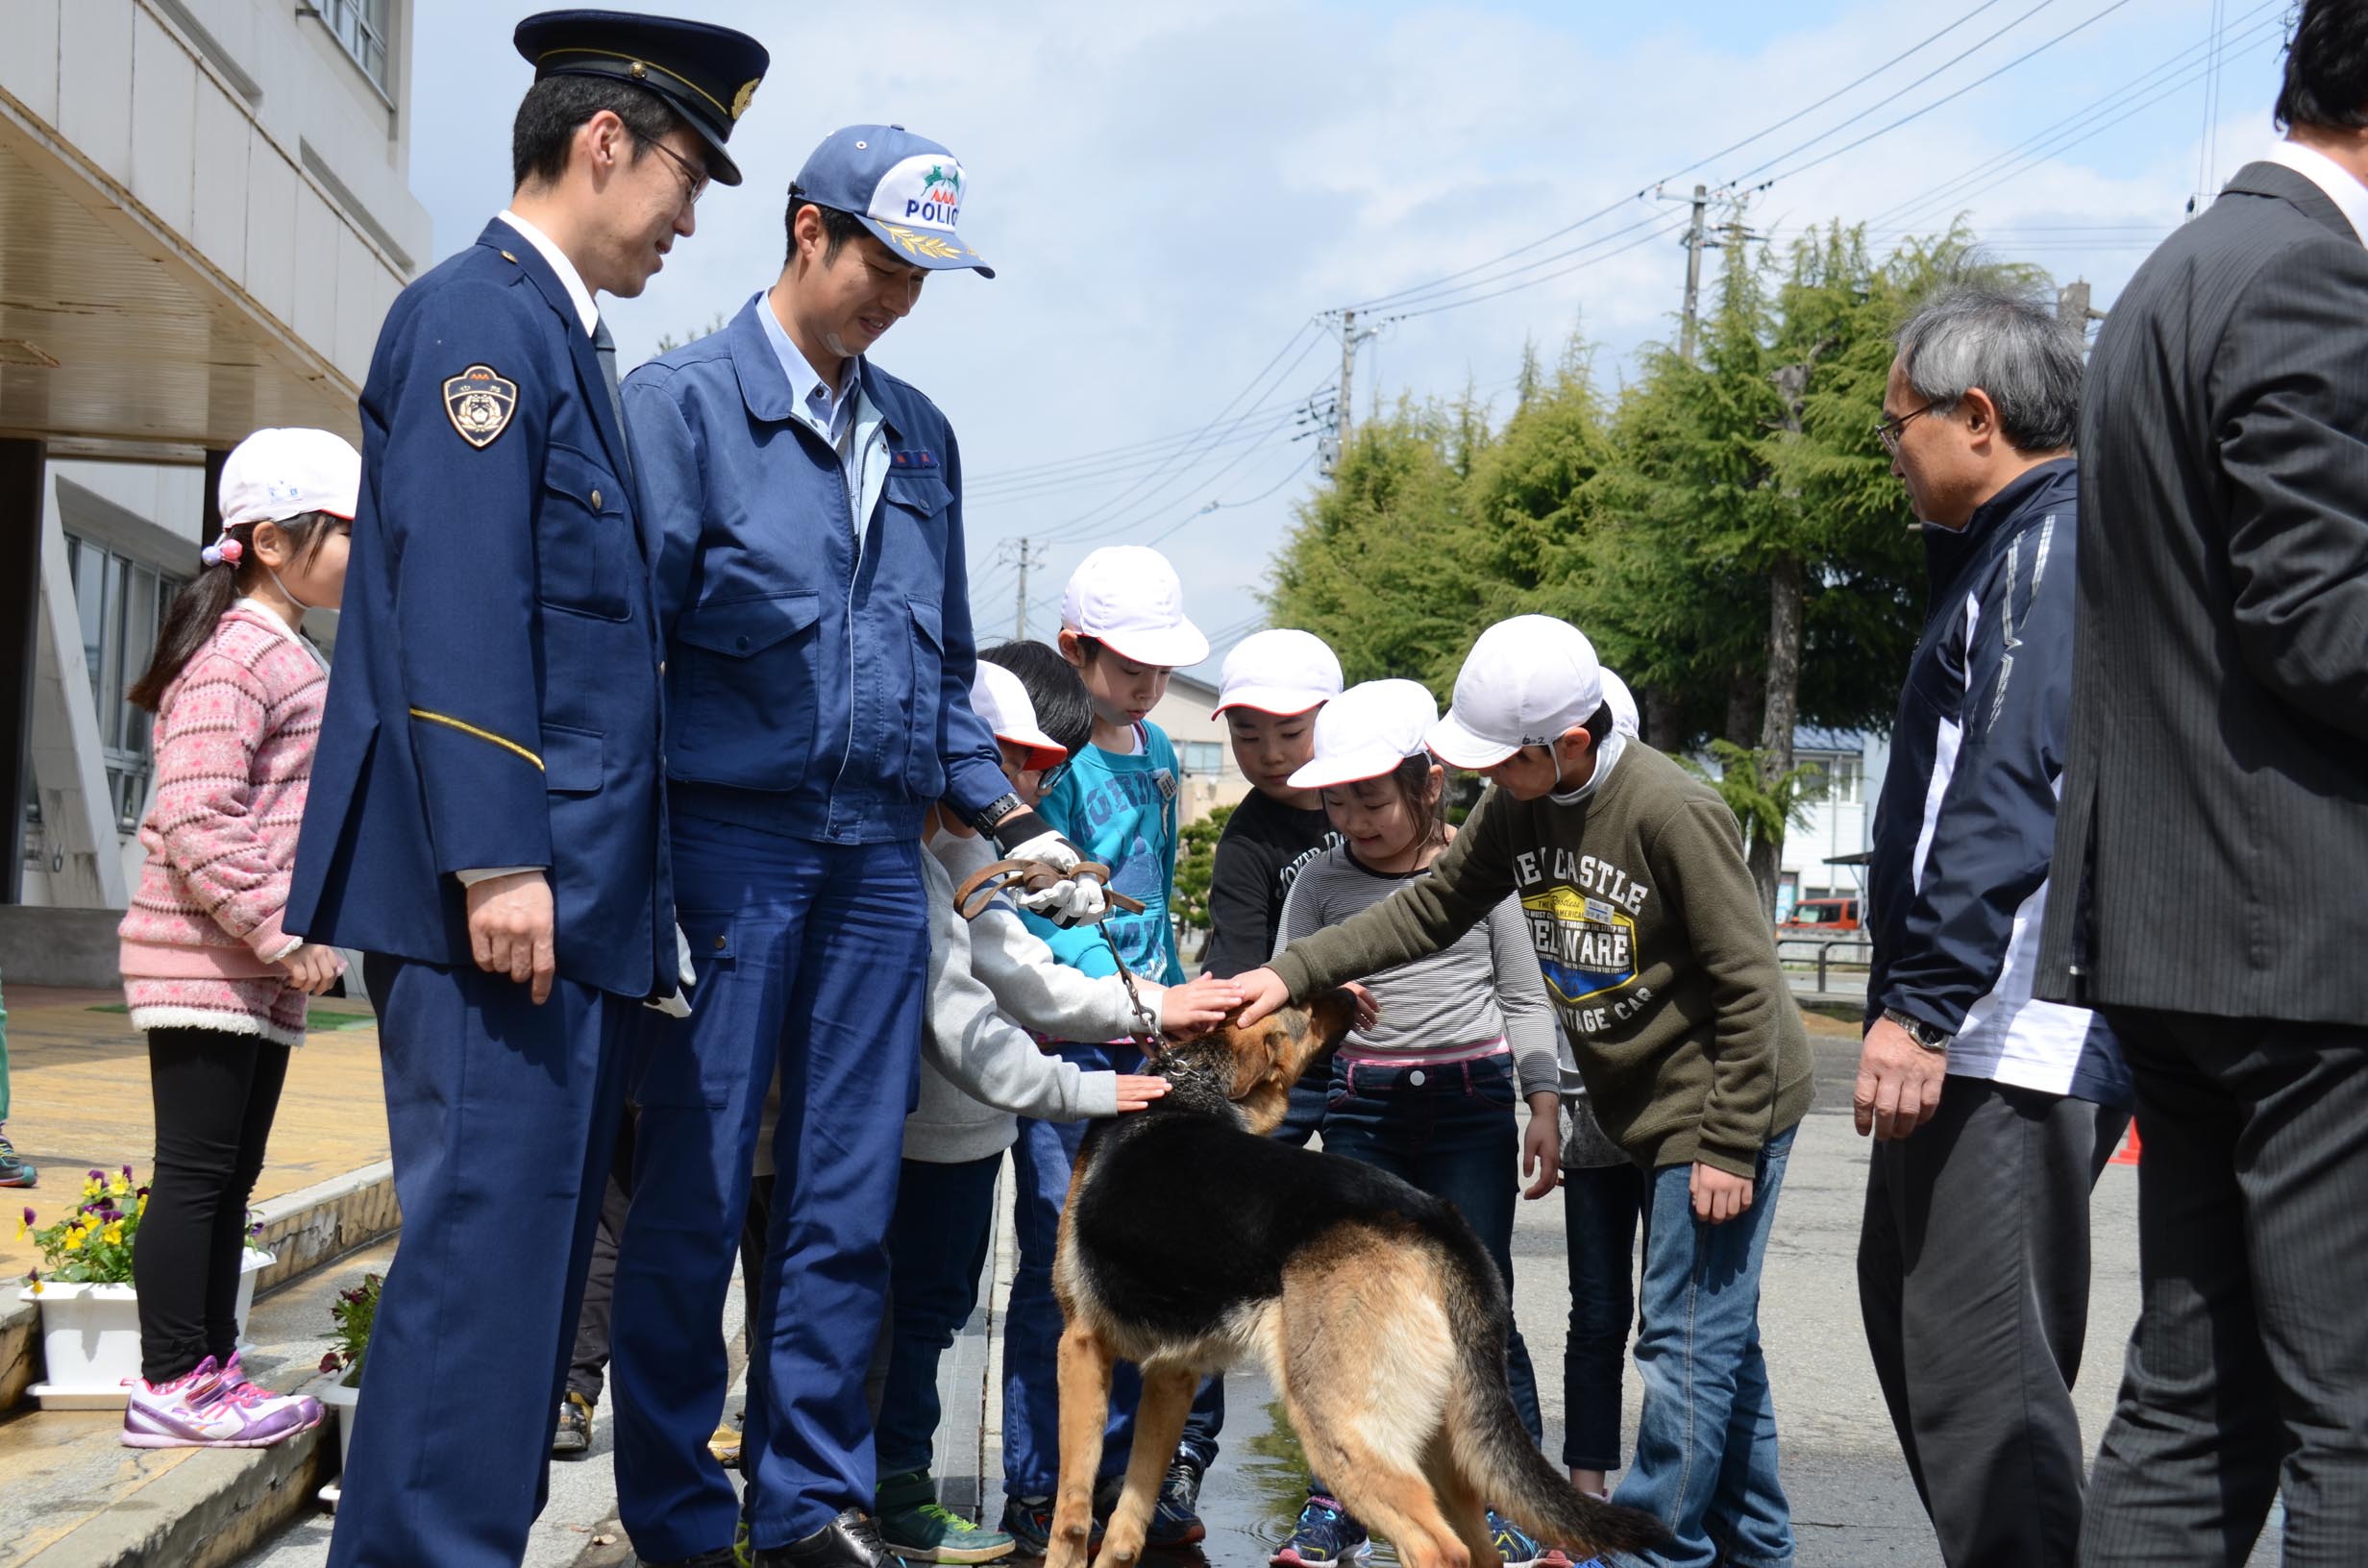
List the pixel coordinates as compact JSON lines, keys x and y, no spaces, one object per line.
{"x":2212,"y":854}
{"x":487,"y":820}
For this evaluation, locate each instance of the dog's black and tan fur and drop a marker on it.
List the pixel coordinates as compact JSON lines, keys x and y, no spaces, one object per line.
{"x":1193,"y":1242}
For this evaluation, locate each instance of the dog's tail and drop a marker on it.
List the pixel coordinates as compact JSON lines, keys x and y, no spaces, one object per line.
{"x":1495,"y":1454}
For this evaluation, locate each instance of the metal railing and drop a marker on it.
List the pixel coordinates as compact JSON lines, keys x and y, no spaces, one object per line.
{"x":1825,"y":946}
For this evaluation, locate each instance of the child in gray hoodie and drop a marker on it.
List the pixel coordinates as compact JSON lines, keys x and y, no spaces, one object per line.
{"x":992,"y":981}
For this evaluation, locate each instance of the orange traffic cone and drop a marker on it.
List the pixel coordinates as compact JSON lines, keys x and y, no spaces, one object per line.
{"x":2128,"y":1147}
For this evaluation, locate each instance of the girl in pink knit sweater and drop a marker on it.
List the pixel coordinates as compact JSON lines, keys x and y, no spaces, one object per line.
{"x":210,"y":974}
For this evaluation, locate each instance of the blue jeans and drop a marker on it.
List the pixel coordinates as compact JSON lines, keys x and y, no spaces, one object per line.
{"x":1600,"y":1209}
{"x":1042,"y":1159}
{"x":937,"y":1245}
{"x":1448,"y":1131}
{"x":1706,"y":1449}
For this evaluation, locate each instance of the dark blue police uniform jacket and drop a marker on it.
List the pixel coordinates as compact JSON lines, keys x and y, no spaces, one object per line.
{"x":825,"y":676}
{"x":496,"y":700}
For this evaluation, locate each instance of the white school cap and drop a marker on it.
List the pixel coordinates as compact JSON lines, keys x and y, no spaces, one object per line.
{"x":1000,"y":699}
{"x":1280,"y":673}
{"x":1527,"y":681}
{"x":1624,"y":716}
{"x":277,"y":473}
{"x":1367,"y":731}
{"x":1127,"y":595}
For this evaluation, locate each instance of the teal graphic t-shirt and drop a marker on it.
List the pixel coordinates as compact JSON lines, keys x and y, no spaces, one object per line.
{"x":1122,"y":811}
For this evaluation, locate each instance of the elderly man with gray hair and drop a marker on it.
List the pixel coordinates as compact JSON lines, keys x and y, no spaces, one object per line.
{"x":1994,"y":1112}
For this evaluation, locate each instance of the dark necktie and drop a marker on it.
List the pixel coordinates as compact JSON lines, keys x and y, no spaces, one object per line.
{"x":604,"y":348}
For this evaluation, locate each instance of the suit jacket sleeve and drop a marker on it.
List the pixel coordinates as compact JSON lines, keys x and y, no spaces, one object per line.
{"x":459,"y":526}
{"x":974,"y":762}
{"x":2290,"y":400}
{"x":1996,"y":827}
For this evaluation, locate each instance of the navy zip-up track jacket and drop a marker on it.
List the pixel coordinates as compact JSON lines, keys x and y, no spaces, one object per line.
{"x":1966,"y":820}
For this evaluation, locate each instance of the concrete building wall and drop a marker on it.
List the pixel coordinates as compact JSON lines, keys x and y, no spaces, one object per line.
{"x":1204,"y":752}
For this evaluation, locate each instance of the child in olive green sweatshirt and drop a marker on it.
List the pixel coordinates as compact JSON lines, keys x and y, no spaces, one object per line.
{"x":1662,"y":964}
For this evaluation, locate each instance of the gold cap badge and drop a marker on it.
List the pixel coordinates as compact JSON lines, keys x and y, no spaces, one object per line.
{"x":740,"y":99}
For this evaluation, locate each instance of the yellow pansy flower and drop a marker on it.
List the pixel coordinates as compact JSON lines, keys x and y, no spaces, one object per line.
{"x":74,"y":1240}
{"x":112,"y":1236}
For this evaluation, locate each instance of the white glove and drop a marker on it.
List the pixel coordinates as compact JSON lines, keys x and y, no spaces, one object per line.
{"x":677,"y":1005}
{"x":1073,"y":900}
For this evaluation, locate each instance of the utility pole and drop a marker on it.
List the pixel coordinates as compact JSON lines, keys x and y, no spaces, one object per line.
{"x":1337,"y":437}
{"x":1693,"y":270}
{"x":2072,"y":307}
{"x":1025,"y":555}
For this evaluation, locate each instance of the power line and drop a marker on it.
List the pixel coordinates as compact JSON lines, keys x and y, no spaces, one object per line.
{"x":2111,"y":110}
{"x":1831,"y":153}
{"x":1398,"y":296}
{"x":1576,"y":266}
{"x":1297,"y":469}
{"x":1027,"y":473}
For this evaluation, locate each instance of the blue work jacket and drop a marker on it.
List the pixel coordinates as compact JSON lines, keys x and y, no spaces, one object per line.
{"x":822,"y":677}
{"x":496,"y":700}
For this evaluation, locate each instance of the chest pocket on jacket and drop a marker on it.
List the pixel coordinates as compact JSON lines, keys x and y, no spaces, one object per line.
{"x":923,"y":494}
{"x":586,"y":559}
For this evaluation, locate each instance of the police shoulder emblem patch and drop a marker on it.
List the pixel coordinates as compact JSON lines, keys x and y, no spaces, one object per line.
{"x":480,"y":402}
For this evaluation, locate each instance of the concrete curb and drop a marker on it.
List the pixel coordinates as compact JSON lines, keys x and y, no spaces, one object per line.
{"x":203,"y":1516}
{"x":303,"y":1230}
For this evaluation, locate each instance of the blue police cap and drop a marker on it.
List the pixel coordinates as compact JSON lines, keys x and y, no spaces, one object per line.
{"x":906,"y":189}
{"x":704,"y":73}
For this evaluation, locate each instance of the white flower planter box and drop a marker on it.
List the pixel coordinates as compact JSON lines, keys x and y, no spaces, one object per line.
{"x":90,"y":1338}
{"x":344,"y":1398}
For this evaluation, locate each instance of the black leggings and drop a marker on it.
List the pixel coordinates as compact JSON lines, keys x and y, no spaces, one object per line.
{"x":215,"y":1095}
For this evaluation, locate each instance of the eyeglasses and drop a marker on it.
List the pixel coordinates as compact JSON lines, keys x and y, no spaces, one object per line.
{"x":1888,"y":430}
{"x":1049,"y":779}
{"x":698,"y":180}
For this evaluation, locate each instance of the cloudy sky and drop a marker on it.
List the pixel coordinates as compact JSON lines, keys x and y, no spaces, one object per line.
{"x":1175,"y":195}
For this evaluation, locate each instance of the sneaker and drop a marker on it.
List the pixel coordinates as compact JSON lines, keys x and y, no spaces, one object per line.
{"x":1326,"y":1535}
{"x":15,"y":1171}
{"x":1029,"y":1522}
{"x":572,"y":1439}
{"x":1175,"y":1518}
{"x":725,"y":1442}
{"x":1513,"y":1543}
{"x":199,"y":1409}
{"x":918,"y":1530}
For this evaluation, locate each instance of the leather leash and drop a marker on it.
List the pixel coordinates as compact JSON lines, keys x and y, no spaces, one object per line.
{"x":980,"y":888}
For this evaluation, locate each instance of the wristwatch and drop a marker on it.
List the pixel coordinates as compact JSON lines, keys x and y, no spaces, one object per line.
{"x":1917,"y":1030}
{"x":996,"y":811}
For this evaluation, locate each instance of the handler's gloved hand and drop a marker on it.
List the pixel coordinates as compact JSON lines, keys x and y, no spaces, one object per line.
{"x":1073,"y":900}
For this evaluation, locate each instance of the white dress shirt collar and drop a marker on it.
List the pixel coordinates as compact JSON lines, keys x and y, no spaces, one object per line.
{"x":2342,"y":186}
{"x":569,"y":277}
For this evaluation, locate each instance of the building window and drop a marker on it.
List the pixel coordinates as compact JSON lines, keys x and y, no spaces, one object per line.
{"x":360,"y":25}
{"x":1841,"y":778}
{"x":1202,"y":757}
{"x":120,"y":603}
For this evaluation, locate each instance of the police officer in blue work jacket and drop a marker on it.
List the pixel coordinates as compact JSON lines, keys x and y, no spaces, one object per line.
{"x":815,"y":606}
{"x":485,"y":818}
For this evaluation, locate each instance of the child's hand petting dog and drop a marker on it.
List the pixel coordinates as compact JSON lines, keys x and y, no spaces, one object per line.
{"x":1136,"y":1091}
{"x":1197,"y":1006}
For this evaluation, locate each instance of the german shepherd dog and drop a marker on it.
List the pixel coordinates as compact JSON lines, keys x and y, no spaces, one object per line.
{"x":1193,"y":1242}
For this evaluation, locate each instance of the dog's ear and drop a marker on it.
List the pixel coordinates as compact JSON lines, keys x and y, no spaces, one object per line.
{"x":1257,"y":1051}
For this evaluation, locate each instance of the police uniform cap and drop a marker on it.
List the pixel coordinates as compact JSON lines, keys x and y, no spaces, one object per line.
{"x":704,"y":73}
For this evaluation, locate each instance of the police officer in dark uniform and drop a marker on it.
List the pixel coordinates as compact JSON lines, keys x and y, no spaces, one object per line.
{"x":486,"y":818}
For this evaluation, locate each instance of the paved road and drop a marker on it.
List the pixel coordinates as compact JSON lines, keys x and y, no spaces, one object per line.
{"x":1853,"y":1505}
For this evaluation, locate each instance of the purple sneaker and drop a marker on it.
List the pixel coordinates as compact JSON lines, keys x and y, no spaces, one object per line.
{"x":203,"y":1408}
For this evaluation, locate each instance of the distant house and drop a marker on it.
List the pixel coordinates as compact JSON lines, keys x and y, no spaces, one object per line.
{"x":1204,"y":752}
{"x":1823,"y":851}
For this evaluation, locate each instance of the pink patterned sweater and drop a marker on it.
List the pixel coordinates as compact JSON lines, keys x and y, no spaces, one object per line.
{"x":234,"y":743}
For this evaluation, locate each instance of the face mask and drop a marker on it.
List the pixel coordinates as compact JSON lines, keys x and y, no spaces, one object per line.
{"x":281,"y":586}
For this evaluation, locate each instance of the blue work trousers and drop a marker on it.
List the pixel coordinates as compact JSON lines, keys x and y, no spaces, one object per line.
{"x":1706,"y":1446}
{"x":501,"y":1116}
{"x":811,"y":957}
